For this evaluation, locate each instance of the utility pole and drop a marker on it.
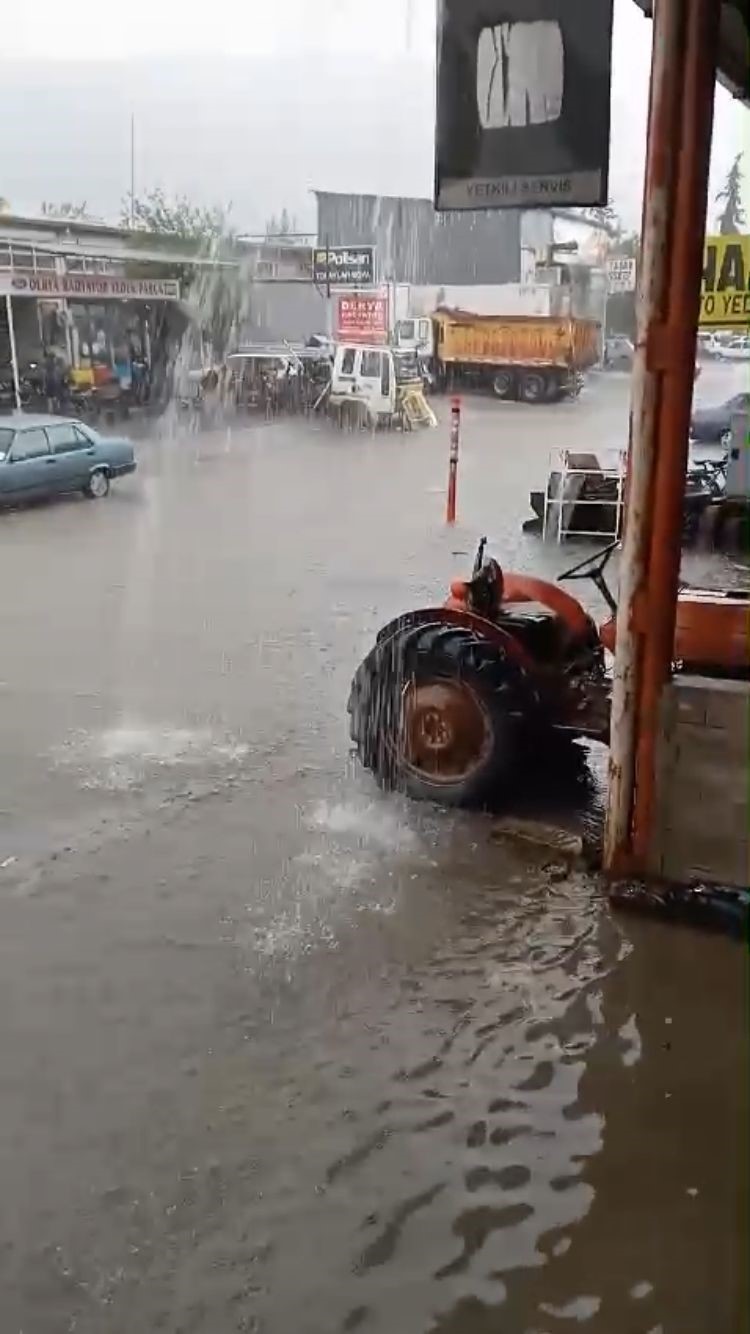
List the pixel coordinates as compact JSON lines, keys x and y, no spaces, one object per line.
{"x":132,"y":170}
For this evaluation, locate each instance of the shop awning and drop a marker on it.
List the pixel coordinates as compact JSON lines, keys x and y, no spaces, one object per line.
{"x":734,"y":45}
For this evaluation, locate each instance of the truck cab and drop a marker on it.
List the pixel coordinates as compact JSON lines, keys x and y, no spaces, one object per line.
{"x":378,"y":386}
{"x":416,"y":335}
{"x":363,"y":382}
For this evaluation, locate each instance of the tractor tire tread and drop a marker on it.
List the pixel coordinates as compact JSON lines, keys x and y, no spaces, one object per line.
{"x":440,"y":650}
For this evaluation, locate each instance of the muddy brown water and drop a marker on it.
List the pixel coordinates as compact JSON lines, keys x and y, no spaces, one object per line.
{"x":281,"y":1053}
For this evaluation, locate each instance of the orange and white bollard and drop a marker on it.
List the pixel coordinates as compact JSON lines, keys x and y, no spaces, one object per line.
{"x":450,"y":512}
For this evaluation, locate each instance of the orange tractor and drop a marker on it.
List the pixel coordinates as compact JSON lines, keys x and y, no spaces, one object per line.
{"x":449,"y":699}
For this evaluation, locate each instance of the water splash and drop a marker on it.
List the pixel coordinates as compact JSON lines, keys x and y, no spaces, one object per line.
{"x":372,"y":824}
{"x":122,"y":757}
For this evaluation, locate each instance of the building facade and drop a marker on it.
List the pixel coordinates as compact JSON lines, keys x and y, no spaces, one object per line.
{"x":415,"y":244}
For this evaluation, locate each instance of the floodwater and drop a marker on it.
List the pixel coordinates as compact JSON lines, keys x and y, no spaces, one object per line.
{"x":280,"y":1053}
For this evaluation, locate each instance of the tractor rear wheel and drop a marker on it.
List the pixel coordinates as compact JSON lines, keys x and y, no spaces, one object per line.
{"x":438,"y":712}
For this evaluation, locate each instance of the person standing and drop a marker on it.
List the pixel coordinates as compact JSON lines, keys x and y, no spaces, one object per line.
{"x":52,"y":382}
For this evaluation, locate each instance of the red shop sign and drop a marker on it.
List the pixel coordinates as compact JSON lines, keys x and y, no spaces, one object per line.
{"x":362,"y":319}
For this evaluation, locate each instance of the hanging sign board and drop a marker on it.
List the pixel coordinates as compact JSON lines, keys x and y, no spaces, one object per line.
{"x":620,"y":275}
{"x":725,"y":289}
{"x":344,"y":266}
{"x":88,"y":287}
{"x":362,"y":319}
{"x":522,"y":103}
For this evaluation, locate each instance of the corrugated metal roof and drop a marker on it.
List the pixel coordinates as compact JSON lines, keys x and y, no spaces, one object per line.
{"x":734,"y":45}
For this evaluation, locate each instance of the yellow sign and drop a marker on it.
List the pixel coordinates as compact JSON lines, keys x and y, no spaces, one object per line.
{"x":725,"y":289}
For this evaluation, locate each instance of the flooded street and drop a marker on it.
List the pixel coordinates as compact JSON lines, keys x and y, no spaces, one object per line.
{"x":280,"y":1053}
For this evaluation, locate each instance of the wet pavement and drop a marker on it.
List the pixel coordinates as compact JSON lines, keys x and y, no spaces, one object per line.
{"x":281,"y":1053}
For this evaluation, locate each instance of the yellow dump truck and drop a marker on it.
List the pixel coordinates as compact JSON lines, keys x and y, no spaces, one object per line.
{"x":537,"y":358}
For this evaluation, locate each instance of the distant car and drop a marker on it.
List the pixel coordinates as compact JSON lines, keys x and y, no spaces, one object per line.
{"x":708,"y":345}
{"x":737,"y":349}
{"x":46,"y":456}
{"x":712,"y":426}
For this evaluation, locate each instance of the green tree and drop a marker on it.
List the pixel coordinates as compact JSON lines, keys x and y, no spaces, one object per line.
{"x":732,"y":216}
{"x":156,"y":213}
{"x":64,"y":210}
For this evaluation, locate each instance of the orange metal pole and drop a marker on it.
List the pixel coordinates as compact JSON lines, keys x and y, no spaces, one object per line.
{"x":450,"y":511}
{"x":673,"y":352}
{"x":658,"y":213}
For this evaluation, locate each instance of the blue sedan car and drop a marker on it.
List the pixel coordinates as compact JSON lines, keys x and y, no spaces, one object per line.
{"x":45,"y":456}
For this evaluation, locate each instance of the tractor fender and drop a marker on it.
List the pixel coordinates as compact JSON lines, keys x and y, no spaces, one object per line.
{"x":524,"y":588}
{"x":494,"y":634}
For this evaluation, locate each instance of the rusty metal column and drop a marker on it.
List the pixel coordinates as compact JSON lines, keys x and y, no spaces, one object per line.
{"x":673,"y":350}
{"x":682,"y":90}
{"x":651,"y":300}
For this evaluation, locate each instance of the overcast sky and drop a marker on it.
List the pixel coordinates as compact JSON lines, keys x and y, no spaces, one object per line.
{"x":258,"y":102}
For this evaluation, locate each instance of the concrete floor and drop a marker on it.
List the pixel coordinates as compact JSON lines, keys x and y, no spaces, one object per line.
{"x":281,"y":1053}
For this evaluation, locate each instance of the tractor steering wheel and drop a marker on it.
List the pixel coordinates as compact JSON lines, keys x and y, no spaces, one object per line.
{"x":591,"y":566}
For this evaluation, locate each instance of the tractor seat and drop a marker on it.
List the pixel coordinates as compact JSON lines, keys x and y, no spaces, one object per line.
{"x":538,"y":630}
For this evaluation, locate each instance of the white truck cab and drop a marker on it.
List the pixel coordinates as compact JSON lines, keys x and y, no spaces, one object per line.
{"x":364,"y":376}
{"x":416,"y":335}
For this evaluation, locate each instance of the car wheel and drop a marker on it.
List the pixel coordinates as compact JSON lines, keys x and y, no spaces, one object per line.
{"x":98,"y":485}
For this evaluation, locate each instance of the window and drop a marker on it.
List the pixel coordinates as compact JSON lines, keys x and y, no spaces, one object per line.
{"x":64,"y":438}
{"x":406,"y":329}
{"x":385,"y":377}
{"x":6,"y":440}
{"x":347,"y":361}
{"x":30,"y":445}
{"x":370,"y":367}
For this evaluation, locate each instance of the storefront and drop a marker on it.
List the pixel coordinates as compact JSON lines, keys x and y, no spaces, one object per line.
{"x":100,"y":327}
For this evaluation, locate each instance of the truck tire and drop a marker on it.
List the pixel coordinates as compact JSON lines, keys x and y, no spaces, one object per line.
{"x":503,"y":384}
{"x":534,"y":387}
